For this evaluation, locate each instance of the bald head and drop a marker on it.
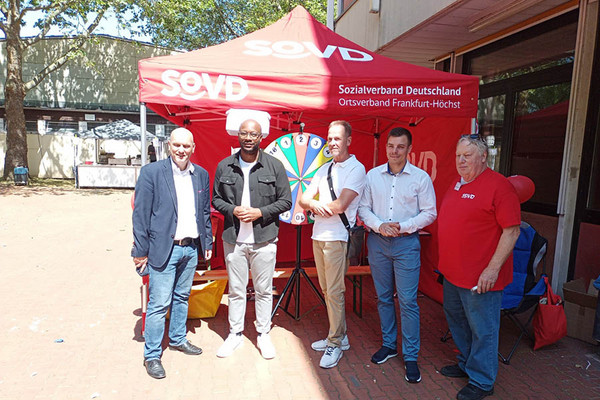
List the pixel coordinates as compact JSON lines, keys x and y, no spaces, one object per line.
{"x":181,"y":146}
{"x":250,"y":136}
{"x":181,"y":134}
{"x":250,"y":125}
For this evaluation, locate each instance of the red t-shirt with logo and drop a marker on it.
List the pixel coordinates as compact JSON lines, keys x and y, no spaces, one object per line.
{"x":470,"y":223}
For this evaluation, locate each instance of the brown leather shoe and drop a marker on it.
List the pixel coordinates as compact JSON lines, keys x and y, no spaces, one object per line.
{"x":187,"y":348}
{"x":155,"y":369}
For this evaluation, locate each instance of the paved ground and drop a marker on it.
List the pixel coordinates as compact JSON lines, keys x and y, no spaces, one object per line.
{"x":70,"y":327}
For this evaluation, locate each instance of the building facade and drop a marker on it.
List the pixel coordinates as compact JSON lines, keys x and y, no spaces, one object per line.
{"x":539,"y":104}
{"x":86,"y":93}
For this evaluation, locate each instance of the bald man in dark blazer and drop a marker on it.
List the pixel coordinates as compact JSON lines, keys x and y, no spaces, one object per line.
{"x":171,"y":223}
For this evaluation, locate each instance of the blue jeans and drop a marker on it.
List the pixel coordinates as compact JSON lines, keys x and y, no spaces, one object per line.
{"x":474,"y":321}
{"x":170,"y":286}
{"x":398,"y":260}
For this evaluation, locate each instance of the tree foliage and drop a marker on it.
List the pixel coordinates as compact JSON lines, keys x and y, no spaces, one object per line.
{"x":182,"y":24}
{"x":75,"y":18}
{"x":193,"y":24}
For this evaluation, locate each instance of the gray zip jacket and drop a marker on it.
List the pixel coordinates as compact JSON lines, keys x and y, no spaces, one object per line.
{"x":269,"y":191}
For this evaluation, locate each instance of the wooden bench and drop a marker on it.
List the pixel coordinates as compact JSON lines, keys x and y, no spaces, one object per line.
{"x":355,"y":274}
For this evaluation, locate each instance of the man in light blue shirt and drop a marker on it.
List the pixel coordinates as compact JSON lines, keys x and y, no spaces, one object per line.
{"x":397,"y":202}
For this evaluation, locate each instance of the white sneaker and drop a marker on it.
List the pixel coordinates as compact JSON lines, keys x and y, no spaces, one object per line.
{"x":321,"y":345}
{"x":265,"y":345}
{"x":331,"y":357}
{"x":232,"y":342}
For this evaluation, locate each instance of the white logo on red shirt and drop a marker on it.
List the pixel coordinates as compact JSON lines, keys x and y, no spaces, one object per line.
{"x":467,"y":196}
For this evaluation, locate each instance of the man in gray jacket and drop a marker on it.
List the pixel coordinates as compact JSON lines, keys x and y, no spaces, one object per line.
{"x":251,"y":189}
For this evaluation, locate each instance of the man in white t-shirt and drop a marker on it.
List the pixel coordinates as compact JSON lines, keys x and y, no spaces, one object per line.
{"x":251,"y":189}
{"x":330,"y":235}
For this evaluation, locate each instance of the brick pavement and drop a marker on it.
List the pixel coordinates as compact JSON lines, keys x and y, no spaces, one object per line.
{"x":66,"y":274}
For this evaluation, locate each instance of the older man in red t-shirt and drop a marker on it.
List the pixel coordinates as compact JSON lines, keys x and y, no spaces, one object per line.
{"x":478,"y":226}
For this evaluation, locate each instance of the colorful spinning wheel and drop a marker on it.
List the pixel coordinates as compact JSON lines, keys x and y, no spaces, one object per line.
{"x":301,"y":154}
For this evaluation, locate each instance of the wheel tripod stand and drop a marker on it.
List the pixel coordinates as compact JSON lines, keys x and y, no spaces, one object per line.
{"x":292,"y":287}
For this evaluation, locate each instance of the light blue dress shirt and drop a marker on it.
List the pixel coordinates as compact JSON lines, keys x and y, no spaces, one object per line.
{"x":407,"y":197}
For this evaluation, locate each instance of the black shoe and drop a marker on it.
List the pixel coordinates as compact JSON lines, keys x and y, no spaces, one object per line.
{"x":472,"y":392}
{"x":155,"y":369}
{"x":383,"y":354}
{"x":453,"y":371}
{"x":187,"y":348}
{"x":413,"y":375}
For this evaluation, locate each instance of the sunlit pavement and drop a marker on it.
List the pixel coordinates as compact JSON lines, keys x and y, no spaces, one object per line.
{"x":71,"y":321}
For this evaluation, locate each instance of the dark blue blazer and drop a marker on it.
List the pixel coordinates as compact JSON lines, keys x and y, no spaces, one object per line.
{"x":155,"y":212}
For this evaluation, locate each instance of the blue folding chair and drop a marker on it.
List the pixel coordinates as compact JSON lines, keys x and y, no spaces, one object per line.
{"x":524,"y":291}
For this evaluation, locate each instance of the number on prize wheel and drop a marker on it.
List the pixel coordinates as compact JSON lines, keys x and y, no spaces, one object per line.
{"x":301,"y":154}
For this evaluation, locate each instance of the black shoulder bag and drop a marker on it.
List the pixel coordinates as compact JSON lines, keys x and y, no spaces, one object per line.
{"x":356,"y":234}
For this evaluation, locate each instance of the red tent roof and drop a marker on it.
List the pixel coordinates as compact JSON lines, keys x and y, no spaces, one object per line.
{"x":300,"y":71}
{"x":299,"y":65}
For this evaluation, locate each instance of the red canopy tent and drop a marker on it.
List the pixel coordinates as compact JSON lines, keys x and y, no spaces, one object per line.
{"x":300,"y":71}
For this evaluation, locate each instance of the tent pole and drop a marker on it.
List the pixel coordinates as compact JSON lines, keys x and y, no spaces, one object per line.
{"x":473,"y":126}
{"x":376,"y":143}
{"x":143,"y":132}
{"x":330,"y":14}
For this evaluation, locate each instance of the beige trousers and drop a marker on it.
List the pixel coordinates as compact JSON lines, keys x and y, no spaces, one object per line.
{"x":332,"y":265}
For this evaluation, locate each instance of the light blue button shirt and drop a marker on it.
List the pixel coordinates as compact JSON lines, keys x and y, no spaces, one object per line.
{"x":407,"y":197}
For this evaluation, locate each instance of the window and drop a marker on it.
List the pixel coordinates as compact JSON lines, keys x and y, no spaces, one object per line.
{"x":490,"y":115}
{"x":539,"y":130}
{"x":593,"y":201}
{"x":523,"y":106}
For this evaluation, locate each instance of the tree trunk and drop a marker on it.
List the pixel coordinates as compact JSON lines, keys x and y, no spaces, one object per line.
{"x":14,"y":94}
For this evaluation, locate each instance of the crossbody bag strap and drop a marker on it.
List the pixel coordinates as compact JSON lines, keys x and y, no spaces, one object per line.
{"x":334,"y":197}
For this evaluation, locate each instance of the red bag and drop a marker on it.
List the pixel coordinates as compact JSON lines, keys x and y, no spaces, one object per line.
{"x":549,"y":321}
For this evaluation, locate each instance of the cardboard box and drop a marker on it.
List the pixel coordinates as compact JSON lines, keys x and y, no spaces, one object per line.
{"x":580,"y":307}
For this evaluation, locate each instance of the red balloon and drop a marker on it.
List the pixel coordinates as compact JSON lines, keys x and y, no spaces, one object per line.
{"x":524,"y":186}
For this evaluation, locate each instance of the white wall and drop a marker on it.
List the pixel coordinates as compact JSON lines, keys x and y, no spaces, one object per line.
{"x":359,"y":25}
{"x":395,"y":17}
{"x":53,"y":156}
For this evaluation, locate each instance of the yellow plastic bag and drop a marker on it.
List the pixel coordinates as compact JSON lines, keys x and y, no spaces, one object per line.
{"x":205,"y":299}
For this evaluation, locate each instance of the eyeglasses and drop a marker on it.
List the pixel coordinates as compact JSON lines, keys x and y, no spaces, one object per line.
{"x":251,"y":135}
{"x":474,"y":136}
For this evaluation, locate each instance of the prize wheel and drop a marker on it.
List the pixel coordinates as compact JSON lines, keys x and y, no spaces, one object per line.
{"x":301,"y":154}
